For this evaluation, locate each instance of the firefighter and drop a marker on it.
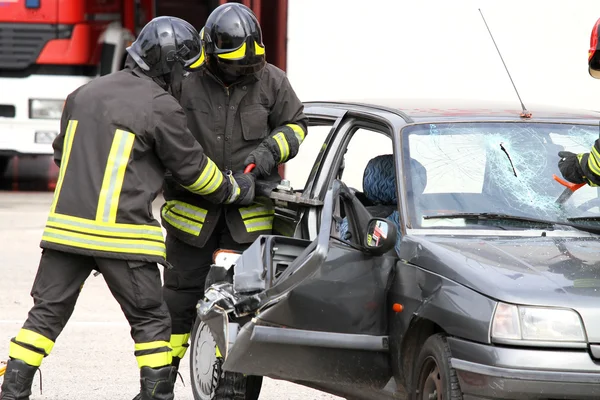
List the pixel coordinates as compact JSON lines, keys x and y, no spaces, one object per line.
{"x":119,"y":133}
{"x":255,"y":118}
{"x":585,"y":167}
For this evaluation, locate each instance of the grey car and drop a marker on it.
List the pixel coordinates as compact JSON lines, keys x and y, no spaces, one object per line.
{"x":423,"y":253}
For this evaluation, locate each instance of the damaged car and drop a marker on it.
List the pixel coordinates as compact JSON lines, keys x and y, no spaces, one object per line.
{"x":423,"y":250}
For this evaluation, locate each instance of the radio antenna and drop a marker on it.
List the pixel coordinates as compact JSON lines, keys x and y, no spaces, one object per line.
{"x":525,"y":113}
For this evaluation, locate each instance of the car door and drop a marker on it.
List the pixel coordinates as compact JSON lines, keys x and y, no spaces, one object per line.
{"x":325,"y":319}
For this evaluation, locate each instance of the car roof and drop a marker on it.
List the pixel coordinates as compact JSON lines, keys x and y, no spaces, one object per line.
{"x":424,"y":110}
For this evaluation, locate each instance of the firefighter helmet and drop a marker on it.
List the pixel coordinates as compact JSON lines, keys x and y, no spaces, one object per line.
{"x":165,"y":41}
{"x":594,"y":53}
{"x":232,"y":38}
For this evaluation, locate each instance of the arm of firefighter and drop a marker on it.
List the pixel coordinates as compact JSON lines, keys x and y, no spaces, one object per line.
{"x":287,"y":115}
{"x":590,"y":165}
{"x":184,"y":157}
{"x":58,"y":142}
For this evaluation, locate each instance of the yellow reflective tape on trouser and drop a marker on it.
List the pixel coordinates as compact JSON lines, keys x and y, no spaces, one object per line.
{"x":35,"y":339}
{"x":66,"y":152}
{"x":298,"y":132}
{"x":179,"y":344}
{"x":92,"y":242}
{"x":114,"y":174}
{"x":24,"y":354}
{"x":154,"y":360}
{"x":284,"y":148}
{"x":184,"y":216}
{"x":257,"y":217}
{"x":209,"y":180}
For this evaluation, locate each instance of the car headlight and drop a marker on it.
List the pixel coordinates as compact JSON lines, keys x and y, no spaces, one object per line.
{"x":45,"y":109}
{"x":528,"y":323}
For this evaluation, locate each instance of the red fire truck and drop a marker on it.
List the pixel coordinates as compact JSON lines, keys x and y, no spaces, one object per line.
{"x":48,"y":48}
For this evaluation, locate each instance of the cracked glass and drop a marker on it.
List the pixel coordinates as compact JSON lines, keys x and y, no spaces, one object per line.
{"x":497,"y":167}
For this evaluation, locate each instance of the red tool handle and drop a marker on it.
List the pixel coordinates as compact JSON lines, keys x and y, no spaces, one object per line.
{"x":571,"y":186}
{"x":249,"y":168}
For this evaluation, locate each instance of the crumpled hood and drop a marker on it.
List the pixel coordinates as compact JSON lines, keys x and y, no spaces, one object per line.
{"x":547,"y":271}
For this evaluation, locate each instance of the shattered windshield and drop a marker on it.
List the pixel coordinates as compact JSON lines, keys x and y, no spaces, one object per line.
{"x":494,"y":168}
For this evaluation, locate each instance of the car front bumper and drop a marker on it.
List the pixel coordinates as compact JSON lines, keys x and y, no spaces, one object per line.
{"x":490,"y":372}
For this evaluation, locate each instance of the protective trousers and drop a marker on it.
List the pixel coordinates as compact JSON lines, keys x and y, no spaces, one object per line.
{"x":59,"y":280}
{"x":184,"y":284}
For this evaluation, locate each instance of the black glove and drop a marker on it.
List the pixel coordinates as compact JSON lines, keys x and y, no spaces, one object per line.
{"x":264,"y":159}
{"x":242,"y":191}
{"x":570,"y":166}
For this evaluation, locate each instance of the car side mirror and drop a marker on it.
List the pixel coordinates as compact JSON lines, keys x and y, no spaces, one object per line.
{"x":380,"y":236}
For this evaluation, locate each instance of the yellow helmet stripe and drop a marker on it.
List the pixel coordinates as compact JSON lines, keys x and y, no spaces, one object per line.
{"x":200,"y":61}
{"x":234,"y":55}
{"x":258,"y":49}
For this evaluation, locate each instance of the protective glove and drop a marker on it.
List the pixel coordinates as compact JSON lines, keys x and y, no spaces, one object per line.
{"x":264,"y":158}
{"x":570,"y":166}
{"x":242,"y":190}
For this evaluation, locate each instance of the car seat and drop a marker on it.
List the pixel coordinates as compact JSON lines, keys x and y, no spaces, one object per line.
{"x":379,"y":186}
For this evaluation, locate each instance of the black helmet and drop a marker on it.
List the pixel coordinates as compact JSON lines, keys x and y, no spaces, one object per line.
{"x":233,"y":41}
{"x":165,"y":41}
{"x":594,"y":53}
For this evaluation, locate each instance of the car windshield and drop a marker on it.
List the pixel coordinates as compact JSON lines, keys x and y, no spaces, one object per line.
{"x":494,"y":168}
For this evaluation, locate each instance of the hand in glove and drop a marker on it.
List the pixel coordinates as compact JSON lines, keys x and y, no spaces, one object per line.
{"x":570,"y":166}
{"x":263,"y":158}
{"x":242,"y":190}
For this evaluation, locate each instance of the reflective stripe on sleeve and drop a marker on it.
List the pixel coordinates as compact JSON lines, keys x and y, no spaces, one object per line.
{"x":66,"y":153}
{"x":209,"y":180}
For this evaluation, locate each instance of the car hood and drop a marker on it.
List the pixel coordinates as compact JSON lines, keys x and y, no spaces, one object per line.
{"x":545,"y":271}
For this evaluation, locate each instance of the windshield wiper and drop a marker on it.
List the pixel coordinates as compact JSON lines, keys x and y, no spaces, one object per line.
{"x":493,"y":216}
{"x":496,"y":216}
{"x":589,"y":218}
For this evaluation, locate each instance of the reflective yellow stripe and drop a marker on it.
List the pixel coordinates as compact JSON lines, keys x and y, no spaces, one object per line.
{"x":200,"y":61}
{"x":237,"y":54}
{"x":151,"y":345}
{"x":178,"y":344}
{"x":192,"y":212}
{"x":258,"y":49}
{"x":91,"y":242}
{"x":259,"y":224}
{"x":35,"y":339}
{"x":284,"y":149}
{"x":28,"y":356}
{"x":155,"y":360}
{"x":66,"y":153}
{"x":255,"y":210}
{"x":116,"y":230}
{"x":218,"y":352}
{"x":593,"y":161}
{"x":298,"y":132}
{"x":114,"y":174}
{"x":209,"y":180}
{"x":181,"y":224}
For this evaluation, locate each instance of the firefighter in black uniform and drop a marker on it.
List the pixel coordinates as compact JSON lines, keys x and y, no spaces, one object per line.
{"x":585,"y":167}
{"x":255,"y":118}
{"x":119,"y":133}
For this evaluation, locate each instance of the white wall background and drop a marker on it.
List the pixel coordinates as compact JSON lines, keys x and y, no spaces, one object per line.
{"x":353,"y":49}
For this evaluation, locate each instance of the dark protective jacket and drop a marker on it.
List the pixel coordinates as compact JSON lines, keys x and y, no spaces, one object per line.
{"x":230,"y":122}
{"x":119,"y":135}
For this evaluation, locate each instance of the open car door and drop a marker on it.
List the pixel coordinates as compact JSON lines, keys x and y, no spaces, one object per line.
{"x":321,"y":319}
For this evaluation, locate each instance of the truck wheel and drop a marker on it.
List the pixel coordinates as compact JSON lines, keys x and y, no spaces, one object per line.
{"x":433,"y":377}
{"x":209,"y":381}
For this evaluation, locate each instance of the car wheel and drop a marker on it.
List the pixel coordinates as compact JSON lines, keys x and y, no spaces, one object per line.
{"x":433,"y":376}
{"x":209,"y":381}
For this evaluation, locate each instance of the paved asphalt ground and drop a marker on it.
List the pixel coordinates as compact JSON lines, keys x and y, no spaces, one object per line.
{"x":93,"y":358}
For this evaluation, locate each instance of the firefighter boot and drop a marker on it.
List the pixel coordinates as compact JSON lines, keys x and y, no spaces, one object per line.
{"x":157,"y":383}
{"x":18,"y":379}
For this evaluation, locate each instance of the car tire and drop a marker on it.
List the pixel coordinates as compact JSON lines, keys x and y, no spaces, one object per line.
{"x":433,"y":376}
{"x":209,"y":382}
